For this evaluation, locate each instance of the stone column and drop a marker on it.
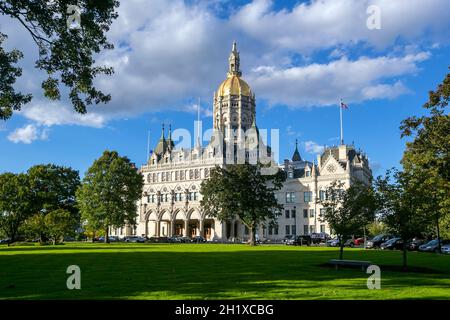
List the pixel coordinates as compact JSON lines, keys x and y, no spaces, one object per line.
{"x":185,"y":229}
{"x":158,"y":228}
{"x":172,"y":227}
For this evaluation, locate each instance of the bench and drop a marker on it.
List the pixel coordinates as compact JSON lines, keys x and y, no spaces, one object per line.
{"x":350,"y":263}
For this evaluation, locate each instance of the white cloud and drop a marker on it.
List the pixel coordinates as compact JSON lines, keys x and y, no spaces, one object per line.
{"x":323,"y":84}
{"x":171,"y":52}
{"x":53,"y":113}
{"x":28,"y":134}
{"x":313,"y":147}
{"x":320,"y":24}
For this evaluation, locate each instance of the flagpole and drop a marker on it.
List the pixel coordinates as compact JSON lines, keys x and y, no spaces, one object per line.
{"x":198,"y":124}
{"x":342,"y":131}
{"x":148,"y":145}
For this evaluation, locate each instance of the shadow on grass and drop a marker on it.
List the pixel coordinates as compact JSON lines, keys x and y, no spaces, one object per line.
{"x":246,"y":274}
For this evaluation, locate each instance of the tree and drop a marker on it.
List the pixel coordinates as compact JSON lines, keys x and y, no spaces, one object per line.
{"x":15,"y":203}
{"x":60,"y":223}
{"x":377,"y":227}
{"x":241,"y":190}
{"x":398,"y":206}
{"x":53,"y":187}
{"x":426,"y":159}
{"x":66,"y":54}
{"x":109,"y":192}
{"x":35,"y":228}
{"x":349,"y":211}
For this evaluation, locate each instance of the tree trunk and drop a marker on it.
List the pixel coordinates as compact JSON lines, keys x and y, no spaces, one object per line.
{"x":405,"y":261}
{"x":106,"y":235}
{"x":365,"y":237}
{"x":438,"y":232}
{"x":341,"y":249}
{"x":253,"y":236}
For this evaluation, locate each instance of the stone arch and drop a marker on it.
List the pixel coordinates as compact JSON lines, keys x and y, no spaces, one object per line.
{"x":165,"y":215}
{"x":194,"y":214}
{"x":179,"y":214}
{"x":151,"y":215}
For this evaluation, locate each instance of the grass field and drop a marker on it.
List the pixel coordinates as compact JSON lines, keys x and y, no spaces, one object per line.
{"x":206,"y":271}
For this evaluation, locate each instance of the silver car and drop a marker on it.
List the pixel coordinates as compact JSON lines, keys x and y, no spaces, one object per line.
{"x":446,"y":249}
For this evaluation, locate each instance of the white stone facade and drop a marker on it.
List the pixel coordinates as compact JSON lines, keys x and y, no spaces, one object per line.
{"x":170,"y":204}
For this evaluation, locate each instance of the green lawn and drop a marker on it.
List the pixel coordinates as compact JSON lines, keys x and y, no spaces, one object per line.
{"x":206,"y":271}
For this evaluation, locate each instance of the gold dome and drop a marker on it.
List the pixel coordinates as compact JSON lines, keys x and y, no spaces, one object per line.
{"x":234,"y":86}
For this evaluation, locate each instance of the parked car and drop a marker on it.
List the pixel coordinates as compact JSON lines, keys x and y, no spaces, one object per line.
{"x":333,"y":242}
{"x":288,"y":237}
{"x":394,"y":243}
{"x":445,"y":249}
{"x":113,"y":239}
{"x":135,"y":239}
{"x":415,"y":243}
{"x":359,"y":241}
{"x":299,"y":240}
{"x":321,"y":237}
{"x":185,"y":239}
{"x":349,"y":243}
{"x":174,"y":239}
{"x":433,"y":245}
{"x":198,"y":239}
{"x":378,"y":240}
{"x":5,"y":241}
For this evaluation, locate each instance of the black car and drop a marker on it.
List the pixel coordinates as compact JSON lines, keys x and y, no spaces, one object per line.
{"x":174,"y":239}
{"x":5,"y":241}
{"x":198,"y":239}
{"x":378,"y":240}
{"x":321,"y":237}
{"x":415,"y":243}
{"x":299,"y":241}
{"x":394,"y":243}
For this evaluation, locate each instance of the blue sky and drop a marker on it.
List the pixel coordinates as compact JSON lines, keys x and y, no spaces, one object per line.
{"x":300,"y":58}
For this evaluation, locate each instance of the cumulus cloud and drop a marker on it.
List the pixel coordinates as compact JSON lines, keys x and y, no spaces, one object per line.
{"x":28,"y":134}
{"x":313,"y":147}
{"x":319,"y":24}
{"x":53,"y":113}
{"x":322,"y":84}
{"x":168,"y":53}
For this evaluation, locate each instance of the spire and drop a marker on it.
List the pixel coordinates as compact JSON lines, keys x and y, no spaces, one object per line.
{"x":170,"y":143}
{"x":296,"y":155}
{"x":162,"y":144}
{"x":234,"y":62}
{"x":162,"y":133}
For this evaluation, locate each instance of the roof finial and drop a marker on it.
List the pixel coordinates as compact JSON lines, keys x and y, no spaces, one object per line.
{"x":234,"y":62}
{"x":162,"y":132}
{"x":296,"y":156}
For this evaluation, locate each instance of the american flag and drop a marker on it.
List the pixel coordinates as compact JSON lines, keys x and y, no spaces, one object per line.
{"x":343,"y":105}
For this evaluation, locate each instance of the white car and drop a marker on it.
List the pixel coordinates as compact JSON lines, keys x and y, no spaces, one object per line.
{"x":446,"y":249}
